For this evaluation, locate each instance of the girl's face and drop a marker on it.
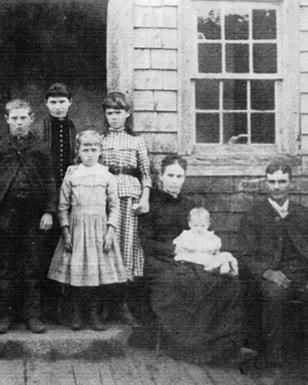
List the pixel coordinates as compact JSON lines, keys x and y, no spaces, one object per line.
{"x":172,"y":179}
{"x":199,"y":225}
{"x":89,"y":152}
{"x":116,"y":118}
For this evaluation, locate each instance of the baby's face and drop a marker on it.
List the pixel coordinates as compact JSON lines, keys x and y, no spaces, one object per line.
{"x":198,"y":225}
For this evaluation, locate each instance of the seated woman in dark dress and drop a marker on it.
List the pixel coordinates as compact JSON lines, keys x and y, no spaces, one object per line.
{"x":198,"y":311}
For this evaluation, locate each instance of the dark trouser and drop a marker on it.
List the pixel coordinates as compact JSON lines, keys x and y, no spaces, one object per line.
{"x":275,"y":303}
{"x":20,"y":255}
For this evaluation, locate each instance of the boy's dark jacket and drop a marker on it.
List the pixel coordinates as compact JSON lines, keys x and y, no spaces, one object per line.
{"x":34,"y":156}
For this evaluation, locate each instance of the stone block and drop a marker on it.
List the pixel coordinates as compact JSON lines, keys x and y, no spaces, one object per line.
{"x":171,"y":2}
{"x":165,"y":100}
{"x":142,"y":58}
{"x":304,"y":61}
{"x":304,"y":144}
{"x":304,"y":199}
{"x":163,"y":59}
{"x":249,"y":185}
{"x":225,"y":222}
{"x":161,"y":143}
{"x":304,"y":103}
{"x":143,"y":100}
{"x":153,"y":17}
{"x":304,"y":123}
{"x":155,"y":80}
{"x":221,"y":184}
{"x":148,"y":3}
{"x":217,"y":202}
{"x":62,"y":343}
{"x":241,"y":202}
{"x":303,"y":19}
{"x":169,"y":38}
{"x":155,"y":121}
{"x":303,"y":40}
{"x":147,"y":38}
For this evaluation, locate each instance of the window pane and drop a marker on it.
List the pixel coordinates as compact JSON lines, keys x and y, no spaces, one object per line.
{"x":236,"y":27}
{"x":264,"y":24}
{"x":262,"y":95}
{"x":235,"y":128}
{"x":209,"y":56}
{"x":265,"y":58}
{"x":209,"y":26}
{"x":237,"y":56}
{"x":207,"y":126}
{"x":234,"y":95}
{"x":263,"y":128}
{"x":207,"y":94}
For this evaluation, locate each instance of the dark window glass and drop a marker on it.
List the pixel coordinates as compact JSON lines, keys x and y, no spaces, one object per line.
{"x":234,"y":95}
{"x":263,"y":128}
{"x":235,"y":128}
{"x":236,"y":27}
{"x":265,"y":58}
{"x":264,"y":24}
{"x":209,"y":56}
{"x":207,"y":128}
{"x":262,"y":95}
{"x":237,"y":58}
{"x":207,"y":94}
{"x":210,"y":26}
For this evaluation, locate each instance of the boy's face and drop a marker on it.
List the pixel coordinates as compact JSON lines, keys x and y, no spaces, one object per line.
{"x":199,"y":225}
{"x":19,"y":121}
{"x":58,"y":106}
{"x":116,"y":118}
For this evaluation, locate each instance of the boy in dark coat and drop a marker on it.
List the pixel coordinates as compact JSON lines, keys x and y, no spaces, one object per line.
{"x":27,"y":205}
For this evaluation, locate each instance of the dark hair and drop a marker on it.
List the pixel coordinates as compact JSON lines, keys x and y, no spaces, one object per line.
{"x":58,"y":90}
{"x":279,"y":165}
{"x":17,"y":104}
{"x":118,"y":101}
{"x":173,"y":159}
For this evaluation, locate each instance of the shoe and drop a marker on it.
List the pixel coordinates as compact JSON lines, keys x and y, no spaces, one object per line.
{"x":36,"y":326}
{"x":126,"y":316}
{"x":76,"y":321}
{"x":4,"y":325}
{"x":95,"y":322}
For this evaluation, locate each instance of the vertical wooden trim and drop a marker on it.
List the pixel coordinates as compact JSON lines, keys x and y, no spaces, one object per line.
{"x":120,"y":46}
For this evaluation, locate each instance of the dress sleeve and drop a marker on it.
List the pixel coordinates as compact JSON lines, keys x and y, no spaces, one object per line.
{"x":65,"y":199}
{"x":143,"y":163}
{"x":112,"y":202}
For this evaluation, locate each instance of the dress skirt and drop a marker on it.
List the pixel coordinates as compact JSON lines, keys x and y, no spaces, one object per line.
{"x":127,"y":232}
{"x":87,"y":264}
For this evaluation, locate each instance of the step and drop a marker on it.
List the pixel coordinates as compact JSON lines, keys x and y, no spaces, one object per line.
{"x":62,"y":343}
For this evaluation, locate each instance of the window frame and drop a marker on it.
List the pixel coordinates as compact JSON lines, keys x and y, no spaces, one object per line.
{"x":236,"y":156}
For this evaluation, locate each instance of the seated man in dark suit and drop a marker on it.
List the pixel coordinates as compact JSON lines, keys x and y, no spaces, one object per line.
{"x":274,"y":252}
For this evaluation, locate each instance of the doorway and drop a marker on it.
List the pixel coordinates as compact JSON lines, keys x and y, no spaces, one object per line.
{"x":48,"y":41}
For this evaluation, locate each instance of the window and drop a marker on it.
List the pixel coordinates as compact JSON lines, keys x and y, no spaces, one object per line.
{"x":236,"y":85}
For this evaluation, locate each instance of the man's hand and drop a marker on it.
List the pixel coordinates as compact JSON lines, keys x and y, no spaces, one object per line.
{"x":46,"y":222}
{"x":277,"y":277}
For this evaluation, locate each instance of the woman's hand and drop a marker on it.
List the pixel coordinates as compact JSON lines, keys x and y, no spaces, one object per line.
{"x":142,"y":207}
{"x":67,"y":239}
{"x":109,"y":237}
{"x":46,"y":222}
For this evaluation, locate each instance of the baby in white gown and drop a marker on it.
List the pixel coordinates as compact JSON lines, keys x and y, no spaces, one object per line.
{"x":201,"y":246}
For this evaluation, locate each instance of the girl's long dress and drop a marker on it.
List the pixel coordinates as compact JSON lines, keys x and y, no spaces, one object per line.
{"x":87,"y":193}
{"x":124,"y":151}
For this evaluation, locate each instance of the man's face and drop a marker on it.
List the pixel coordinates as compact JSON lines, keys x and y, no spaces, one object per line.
{"x":58,"y":106}
{"x":19,"y":121}
{"x":278,"y":186}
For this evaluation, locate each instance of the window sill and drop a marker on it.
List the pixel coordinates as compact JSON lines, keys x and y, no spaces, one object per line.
{"x":224,"y":160}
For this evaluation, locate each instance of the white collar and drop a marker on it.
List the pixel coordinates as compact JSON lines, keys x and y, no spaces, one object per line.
{"x":281,"y":210}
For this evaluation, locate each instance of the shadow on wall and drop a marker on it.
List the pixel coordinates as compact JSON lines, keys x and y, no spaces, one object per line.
{"x":42,"y":42}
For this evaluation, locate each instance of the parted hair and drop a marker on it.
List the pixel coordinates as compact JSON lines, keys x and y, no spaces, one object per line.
{"x":58,"y":90}
{"x":277,"y":165}
{"x":173,"y":159}
{"x":16,"y":104}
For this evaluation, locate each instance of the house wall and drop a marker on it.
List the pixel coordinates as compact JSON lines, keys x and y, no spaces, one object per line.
{"x":155,"y":84}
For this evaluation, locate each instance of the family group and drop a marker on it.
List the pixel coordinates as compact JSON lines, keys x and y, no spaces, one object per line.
{"x":79,"y":209}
